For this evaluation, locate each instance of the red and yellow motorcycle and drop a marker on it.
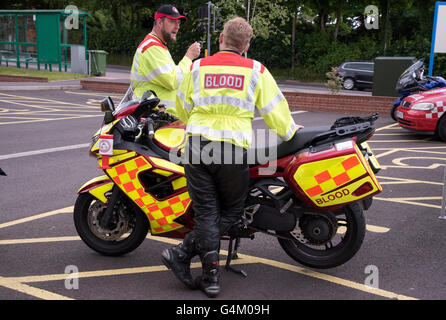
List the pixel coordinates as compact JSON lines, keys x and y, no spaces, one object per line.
{"x":312,"y":202}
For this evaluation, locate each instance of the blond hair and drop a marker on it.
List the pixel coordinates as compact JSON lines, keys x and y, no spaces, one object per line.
{"x":237,"y":33}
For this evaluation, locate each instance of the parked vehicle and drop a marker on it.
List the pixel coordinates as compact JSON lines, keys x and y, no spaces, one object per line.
{"x":356,"y":74}
{"x":413,"y":80}
{"x":424,"y":112}
{"x":312,"y":203}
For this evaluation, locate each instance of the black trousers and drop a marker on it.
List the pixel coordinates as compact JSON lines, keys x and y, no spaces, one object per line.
{"x":217,"y":179}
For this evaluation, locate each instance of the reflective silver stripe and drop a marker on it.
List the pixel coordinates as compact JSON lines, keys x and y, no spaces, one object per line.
{"x":196,"y":80}
{"x":228,"y":100}
{"x":152,"y":75}
{"x":290,"y":132}
{"x":272,"y":104}
{"x":219,"y":134}
{"x":168,"y":103}
{"x":179,"y":75}
{"x":254,"y":80}
{"x":138,"y":52}
{"x":182,"y":96}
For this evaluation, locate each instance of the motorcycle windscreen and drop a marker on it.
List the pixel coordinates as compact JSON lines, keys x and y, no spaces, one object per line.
{"x":332,"y":176}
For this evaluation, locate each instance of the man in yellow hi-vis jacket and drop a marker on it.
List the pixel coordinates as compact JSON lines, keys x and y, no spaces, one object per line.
{"x":217,"y":101}
{"x":153,"y":67}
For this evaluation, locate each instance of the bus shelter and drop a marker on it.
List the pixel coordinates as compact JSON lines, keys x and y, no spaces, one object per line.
{"x":41,"y":36}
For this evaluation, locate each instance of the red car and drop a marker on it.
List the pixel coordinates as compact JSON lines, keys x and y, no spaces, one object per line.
{"x":424,"y":112}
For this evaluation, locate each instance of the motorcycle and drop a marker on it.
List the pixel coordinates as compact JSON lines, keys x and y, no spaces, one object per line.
{"x":413,"y":80}
{"x":313,"y":202}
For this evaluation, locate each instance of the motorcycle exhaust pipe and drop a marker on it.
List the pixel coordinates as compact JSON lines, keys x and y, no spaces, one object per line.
{"x":269,"y":218}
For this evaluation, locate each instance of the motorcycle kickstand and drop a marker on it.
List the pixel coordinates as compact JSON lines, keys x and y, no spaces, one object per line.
{"x":233,"y":255}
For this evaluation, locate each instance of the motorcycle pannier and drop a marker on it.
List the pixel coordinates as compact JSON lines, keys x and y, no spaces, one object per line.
{"x":331,"y":175}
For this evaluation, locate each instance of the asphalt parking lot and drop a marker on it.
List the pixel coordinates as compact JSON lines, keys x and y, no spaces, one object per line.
{"x":44,"y":152}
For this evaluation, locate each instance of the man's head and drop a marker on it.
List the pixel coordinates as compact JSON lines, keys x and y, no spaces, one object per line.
{"x":236,"y":35}
{"x":167,"y":23}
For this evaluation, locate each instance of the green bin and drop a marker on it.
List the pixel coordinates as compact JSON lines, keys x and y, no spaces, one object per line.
{"x":386,"y":73}
{"x":98,"y":62}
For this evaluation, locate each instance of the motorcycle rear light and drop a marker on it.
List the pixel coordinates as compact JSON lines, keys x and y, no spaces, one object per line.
{"x":366,"y":187}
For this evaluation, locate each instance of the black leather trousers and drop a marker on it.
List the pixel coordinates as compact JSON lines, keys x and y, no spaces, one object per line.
{"x":217,"y":180}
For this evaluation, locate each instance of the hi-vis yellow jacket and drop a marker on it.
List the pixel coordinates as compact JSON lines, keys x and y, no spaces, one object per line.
{"x":154,"y":69}
{"x":217,"y":100}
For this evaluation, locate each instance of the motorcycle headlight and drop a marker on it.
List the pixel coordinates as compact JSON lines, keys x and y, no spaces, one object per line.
{"x":423,"y":106}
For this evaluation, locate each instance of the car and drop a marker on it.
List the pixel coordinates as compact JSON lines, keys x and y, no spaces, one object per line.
{"x":424,"y":112}
{"x":356,"y":74}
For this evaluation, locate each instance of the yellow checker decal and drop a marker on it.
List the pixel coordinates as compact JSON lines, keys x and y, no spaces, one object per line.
{"x":323,"y":176}
{"x":160,"y":213}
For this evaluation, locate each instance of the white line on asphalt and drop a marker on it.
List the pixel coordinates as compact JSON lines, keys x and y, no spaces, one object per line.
{"x":293,"y":112}
{"x":36,"y":152}
{"x":72,"y":147}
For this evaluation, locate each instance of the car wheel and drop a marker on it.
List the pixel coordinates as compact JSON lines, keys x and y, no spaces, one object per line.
{"x":348,"y":84}
{"x":441,"y":128}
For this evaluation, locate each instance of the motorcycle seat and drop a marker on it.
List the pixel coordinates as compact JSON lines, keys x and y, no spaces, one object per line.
{"x":279,"y":148}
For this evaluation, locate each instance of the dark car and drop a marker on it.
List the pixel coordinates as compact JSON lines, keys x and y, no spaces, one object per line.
{"x":356,"y":74}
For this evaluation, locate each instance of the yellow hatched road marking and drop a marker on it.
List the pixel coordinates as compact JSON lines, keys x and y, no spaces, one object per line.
{"x":244,"y":259}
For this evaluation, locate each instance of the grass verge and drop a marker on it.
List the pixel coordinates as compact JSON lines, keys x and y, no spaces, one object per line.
{"x":52,"y":76}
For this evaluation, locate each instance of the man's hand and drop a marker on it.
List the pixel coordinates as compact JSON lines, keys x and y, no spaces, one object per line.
{"x":194,"y":51}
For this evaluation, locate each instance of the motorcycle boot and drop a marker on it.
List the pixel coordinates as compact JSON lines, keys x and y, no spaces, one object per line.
{"x":178,"y":260}
{"x":209,"y":281}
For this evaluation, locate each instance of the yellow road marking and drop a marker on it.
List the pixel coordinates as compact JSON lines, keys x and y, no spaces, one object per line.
{"x":415,"y":203}
{"x":35,"y":292}
{"x":53,"y":119}
{"x":386,"y":153}
{"x":388,"y":127}
{"x":403,"y":181}
{"x":93,"y":94}
{"x":243,"y":259}
{"x":42,"y":99}
{"x":38,"y":216}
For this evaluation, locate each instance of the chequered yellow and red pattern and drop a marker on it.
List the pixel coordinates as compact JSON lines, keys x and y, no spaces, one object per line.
{"x":160,"y":213}
{"x":336,"y":174}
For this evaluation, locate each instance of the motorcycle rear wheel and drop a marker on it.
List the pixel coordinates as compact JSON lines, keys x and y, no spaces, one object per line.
{"x":330,"y":256}
{"x":131,"y":228}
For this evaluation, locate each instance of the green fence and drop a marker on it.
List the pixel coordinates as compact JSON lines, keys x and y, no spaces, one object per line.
{"x":41,"y":36}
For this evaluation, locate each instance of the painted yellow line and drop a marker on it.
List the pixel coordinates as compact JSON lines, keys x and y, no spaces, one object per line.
{"x":39,"y":240}
{"x":38,"y":216}
{"x":55,"y":119}
{"x":35,"y":292}
{"x":332,"y":279}
{"x":393,"y":125}
{"x":386,"y":153}
{"x":42,"y":99}
{"x":243,"y":259}
{"x":377,"y":229}
{"x":415,"y":203}
{"x":403,"y":181}
{"x":94,"y":94}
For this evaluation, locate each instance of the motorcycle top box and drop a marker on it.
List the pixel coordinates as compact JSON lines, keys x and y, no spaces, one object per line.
{"x":332,"y":175}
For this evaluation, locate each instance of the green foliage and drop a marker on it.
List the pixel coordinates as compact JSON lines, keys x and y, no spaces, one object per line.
{"x":334,"y":81}
{"x":327,"y":32}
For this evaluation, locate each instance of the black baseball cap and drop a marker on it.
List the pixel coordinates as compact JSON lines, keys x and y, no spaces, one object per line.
{"x":170,"y":12}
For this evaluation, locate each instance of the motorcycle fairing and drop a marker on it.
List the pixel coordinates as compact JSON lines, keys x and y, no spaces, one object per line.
{"x":161,"y":212}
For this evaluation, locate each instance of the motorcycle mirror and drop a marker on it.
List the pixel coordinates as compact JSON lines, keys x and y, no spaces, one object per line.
{"x":107,"y":104}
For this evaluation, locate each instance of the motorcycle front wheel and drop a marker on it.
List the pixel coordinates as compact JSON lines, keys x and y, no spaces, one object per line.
{"x":126,"y":232}
{"x":348,"y":236}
